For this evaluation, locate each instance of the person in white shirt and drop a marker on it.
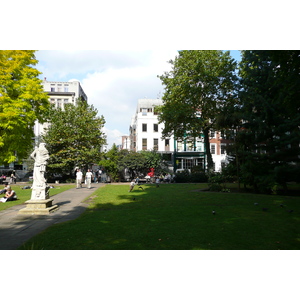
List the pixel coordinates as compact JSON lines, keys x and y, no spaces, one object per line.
{"x":79,"y":178}
{"x":88,"y":177}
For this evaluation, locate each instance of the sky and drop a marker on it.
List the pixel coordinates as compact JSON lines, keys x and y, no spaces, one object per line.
{"x":112,"y":80}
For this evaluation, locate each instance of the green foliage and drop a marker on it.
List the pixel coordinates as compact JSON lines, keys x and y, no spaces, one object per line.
{"x":200,"y":85}
{"x":185,"y":176}
{"x":74,"y":137}
{"x":135,"y":163}
{"x":110,"y":162}
{"x":22,"y":101}
{"x":267,"y":144}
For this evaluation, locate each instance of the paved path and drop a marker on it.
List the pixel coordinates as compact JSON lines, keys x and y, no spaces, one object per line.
{"x":16,"y":229}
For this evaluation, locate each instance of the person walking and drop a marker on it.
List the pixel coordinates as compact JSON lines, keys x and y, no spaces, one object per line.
{"x":79,"y":178}
{"x":88,"y":178}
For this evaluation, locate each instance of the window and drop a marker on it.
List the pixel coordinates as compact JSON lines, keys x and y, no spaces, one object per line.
{"x":144,"y":144}
{"x":167,"y":142}
{"x":212,"y":134}
{"x":144,"y":127}
{"x":155,"y":127}
{"x":66,"y":101}
{"x":52,"y":89}
{"x":66,"y":89}
{"x":155,"y":144}
{"x":223,"y":136}
{"x":144,"y":111}
{"x":213,"y":148}
{"x":223,"y":149}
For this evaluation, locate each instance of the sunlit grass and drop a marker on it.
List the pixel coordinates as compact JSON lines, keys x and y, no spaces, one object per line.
{"x":177,"y":216}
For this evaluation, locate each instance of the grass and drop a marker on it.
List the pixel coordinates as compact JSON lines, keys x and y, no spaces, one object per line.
{"x":24,"y":195}
{"x":177,"y":217}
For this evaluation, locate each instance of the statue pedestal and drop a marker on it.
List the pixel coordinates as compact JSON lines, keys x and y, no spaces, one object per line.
{"x":38,"y":207}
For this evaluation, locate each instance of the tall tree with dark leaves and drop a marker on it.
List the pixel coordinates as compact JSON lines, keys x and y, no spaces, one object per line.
{"x":270,"y":94}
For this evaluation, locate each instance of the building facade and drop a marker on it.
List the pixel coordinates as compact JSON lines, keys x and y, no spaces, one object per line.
{"x":60,"y":93}
{"x":145,"y":133}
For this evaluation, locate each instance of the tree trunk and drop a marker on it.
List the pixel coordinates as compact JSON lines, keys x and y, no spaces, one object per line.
{"x":210,"y":163}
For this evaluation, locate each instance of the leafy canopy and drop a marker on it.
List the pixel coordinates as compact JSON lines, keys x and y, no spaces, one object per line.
{"x":200,"y":85}
{"x":22,"y":101}
{"x":74,"y":137}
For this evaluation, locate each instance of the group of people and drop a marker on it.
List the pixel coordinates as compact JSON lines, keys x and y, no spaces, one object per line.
{"x":158,"y":179}
{"x":10,"y":194}
{"x":11,"y":179}
{"x":89,"y":175}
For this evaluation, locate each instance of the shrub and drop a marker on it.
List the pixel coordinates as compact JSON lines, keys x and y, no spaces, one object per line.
{"x":185,"y":176}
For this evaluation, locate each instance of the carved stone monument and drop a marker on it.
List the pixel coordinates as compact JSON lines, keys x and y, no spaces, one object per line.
{"x":39,"y":204}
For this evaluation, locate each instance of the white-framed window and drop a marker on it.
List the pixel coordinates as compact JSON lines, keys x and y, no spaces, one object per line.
{"x":213,"y":148}
{"x":144,"y":111}
{"x":144,"y":144}
{"x":155,"y":144}
{"x":155,"y":127}
{"x":144,"y":127}
{"x":223,"y":149}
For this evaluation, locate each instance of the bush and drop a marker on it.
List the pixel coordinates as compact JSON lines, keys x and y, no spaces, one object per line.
{"x":217,"y":182}
{"x":185,"y":177}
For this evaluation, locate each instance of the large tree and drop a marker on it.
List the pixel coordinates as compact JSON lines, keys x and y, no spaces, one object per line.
{"x":270,"y":111}
{"x":74,"y":137}
{"x":22,"y":101}
{"x":200,"y":85}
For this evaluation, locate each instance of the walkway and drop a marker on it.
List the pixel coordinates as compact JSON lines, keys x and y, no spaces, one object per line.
{"x":16,"y":229}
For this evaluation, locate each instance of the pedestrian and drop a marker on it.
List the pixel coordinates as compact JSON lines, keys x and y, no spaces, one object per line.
{"x":88,"y":178}
{"x":157,"y":182}
{"x":79,"y":178}
{"x":96,"y":176}
{"x":99,"y":175}
{"x":132,"y":184}
{"x":137,"y":181}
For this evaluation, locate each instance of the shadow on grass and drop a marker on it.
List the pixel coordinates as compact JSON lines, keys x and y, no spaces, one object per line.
{"x":172,"y":217}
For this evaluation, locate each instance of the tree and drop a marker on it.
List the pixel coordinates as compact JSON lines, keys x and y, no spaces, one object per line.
{"x":200,"y":85}
{"x":22,"y":101}
{"x":270,"y":112}
{"x":134,"y":162}
{"x":74,"y":137}
{"x":110,"y":162}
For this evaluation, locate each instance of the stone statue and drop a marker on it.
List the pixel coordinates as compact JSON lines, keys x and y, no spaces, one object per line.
{"x":40,"y":188}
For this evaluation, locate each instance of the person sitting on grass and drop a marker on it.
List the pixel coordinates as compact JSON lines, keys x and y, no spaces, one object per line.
{"x":132,"y":184}
{"x":9,"y":196}
{"x":6,"y":186}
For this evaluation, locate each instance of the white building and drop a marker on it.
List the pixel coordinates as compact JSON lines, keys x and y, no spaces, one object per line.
{"x":60,"y":93}
{"x":146,"y":134}
{"x":145,"y":131}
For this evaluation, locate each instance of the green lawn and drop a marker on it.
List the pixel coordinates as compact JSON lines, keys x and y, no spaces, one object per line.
{"x":24,"y":195}
{"x":179,"y":217}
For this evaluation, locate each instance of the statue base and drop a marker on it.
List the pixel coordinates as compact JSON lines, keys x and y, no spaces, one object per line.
{"x":38,"y":207}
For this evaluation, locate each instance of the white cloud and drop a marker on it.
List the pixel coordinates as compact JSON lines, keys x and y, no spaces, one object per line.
{"x":112,"y":80}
